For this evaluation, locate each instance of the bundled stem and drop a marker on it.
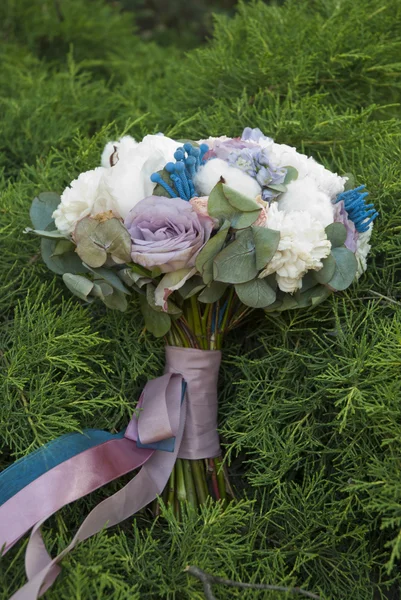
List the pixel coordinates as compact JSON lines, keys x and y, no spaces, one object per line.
{"x":202,"y":326}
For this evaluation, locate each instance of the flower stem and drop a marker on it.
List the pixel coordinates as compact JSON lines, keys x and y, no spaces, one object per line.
{"x":221,"y":484}
{"x":199,"y":480}
{"x":189,"y":483}
{"x":180,"y":487}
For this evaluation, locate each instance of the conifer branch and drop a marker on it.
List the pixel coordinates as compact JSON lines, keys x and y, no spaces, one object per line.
{"x":208,"y":579}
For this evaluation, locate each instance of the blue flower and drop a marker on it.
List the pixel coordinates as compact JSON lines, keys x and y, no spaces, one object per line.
{"x":359,"y":212}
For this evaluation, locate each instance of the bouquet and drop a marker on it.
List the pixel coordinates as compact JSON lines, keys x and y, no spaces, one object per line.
{"x":204,"y":233}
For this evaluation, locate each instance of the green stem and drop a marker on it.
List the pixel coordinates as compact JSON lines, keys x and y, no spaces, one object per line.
{"x":199,"y":479}
{"x":198,"y":330}
{"x":189,"y":483}
{"x":171,"y":490}
{"x":180,"y":487}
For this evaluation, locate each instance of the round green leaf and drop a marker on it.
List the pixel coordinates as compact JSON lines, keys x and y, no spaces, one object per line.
{"x":336,"y":234}
{"x":256,"y":293}
{"x":327,"y":271}
{"x":346,"y":267}
{"x":78,"y":285}
{"x":68,"y":262}
{"x":236,"y":263}
{"x":42,"y":209}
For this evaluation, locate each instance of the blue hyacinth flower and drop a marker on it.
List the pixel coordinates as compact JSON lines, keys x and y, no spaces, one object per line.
{"x":188,"y":159}
{"x":359,"y":212}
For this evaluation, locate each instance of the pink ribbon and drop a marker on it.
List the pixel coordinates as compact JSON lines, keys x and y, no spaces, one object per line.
{"x":193,"y":424}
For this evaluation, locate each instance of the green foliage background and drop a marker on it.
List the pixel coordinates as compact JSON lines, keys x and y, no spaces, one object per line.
{"x":310,"y":408}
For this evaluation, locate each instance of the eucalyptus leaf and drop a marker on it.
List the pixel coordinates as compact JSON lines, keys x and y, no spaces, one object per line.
{"x":218,"y":206}
{"x":158,"y":323}
{"x":159,"y":189}
{"x":237,"y":262}
{"x":67,"y":262}
{"x":291,"y":175}
{"x":110,"y":277}
{"x":239,"y":201}
{"x":42,"y":209}
{"x":213,"y":292}
{"x":96,"y":240}
{"x":62,"y":247}
{"x":277,"y":187}
{"x":79,"y":285}
{"x":346,"y":267}
{"x":117,"y":301}
{"x":327,"y":271}
{"x":311,"y":297}
{"x":54,"y":234}
{"x":266,"y":243}
{"x":204,"y":260}
{"x":336,"y":234}
{"x":256,"y":293}
{"x":101,"y":289}
{"x":191,"y":287}
{"x":246,"y":219}
{"x":350,"y":183}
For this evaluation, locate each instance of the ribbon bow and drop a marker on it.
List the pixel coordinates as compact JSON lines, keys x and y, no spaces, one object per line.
{"x":39,"y":485}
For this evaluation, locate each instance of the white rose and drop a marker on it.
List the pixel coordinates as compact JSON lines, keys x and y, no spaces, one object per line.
{"x":303,"y":245}
{"x":84,"y":196}
{"x":304,"y":194}
{"x":209,"y":175}
{"x":128,"y":181}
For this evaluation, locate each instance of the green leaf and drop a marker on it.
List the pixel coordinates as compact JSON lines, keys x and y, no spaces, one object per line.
{"x":96,"y":240}
{"x":191,"y":287}
{"x":350,"y":184}
{"x":111,"y":278}
{"x":311,"y":297}
{"x":237,"y":262}
{"x":327,"y":271}
{"x":140,"y":270}
{"x":158,"y":323}
{"x":54,"y":234}
{"x":226,"y":204}
{"x":204,"y":260}
{"x":266,"y":243}
{"x":101,"y":289}
{"x":159,"y":189}
{"x":238,"y":201}
{"x":213,"y":292}
{"x":245,"y":220}
{"x":62,"y":247}
{"x":169,"y":284}
{"x":336,"y":234}
{"x":42,"y":208}
{"x":256,"y":293}
{"x":346,"y":267}
{"x":292,"y":175}
{"x":117,"y":301}
{"x":277,"y":187}
{"x":67,"y":262}
{"x":79,"y":285}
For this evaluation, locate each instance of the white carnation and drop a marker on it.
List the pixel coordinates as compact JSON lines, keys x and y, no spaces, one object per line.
{"x":304,"y":194}
{"x":209,"y":175}
{"x":328,"y":182}
{"x":128,"y":181}
{"x":302,"y":246}
{"x":85,"y":196}
{"x":362,"y":250}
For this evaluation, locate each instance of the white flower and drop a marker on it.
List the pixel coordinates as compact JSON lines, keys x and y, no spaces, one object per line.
{"x":113,"y":151}
{"x":304,"y":194}
{"x":128,"y":181}
{"x":85,"y":196}
{"x":362,"y":250}
{"x":302,"y":246}
{"x":215,"y":168}
{"x":282,"y":155}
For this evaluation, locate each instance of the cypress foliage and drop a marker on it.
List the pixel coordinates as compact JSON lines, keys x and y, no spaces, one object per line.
{"x":310,"y":407}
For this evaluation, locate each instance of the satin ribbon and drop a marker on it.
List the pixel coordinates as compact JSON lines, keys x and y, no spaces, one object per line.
{"x":184,"y":425}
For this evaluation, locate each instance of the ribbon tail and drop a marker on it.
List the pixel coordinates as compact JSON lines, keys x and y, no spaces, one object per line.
{"x":149,"y":483}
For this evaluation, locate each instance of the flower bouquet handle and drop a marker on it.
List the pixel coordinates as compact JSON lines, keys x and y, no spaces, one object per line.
{"x":204,"y":233}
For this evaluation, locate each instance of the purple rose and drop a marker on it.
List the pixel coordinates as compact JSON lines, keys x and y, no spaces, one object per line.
{"x":166,"y":233}
{"x":341,"y":216}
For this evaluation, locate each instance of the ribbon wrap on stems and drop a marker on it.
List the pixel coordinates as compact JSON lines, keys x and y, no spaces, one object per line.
{"x":177,"y":419}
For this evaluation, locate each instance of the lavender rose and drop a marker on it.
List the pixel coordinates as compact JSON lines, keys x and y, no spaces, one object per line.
{"x":341,"y":216}
{"x":166,"y":233}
